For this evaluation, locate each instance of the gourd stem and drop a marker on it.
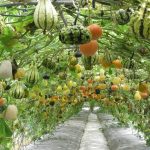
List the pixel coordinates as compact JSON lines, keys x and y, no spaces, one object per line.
{"x":62,"y":17}
{"x":76,"y":19}
{"x":93,"y":3}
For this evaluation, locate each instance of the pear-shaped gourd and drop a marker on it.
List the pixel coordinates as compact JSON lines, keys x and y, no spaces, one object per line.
{"x":45,"y":15}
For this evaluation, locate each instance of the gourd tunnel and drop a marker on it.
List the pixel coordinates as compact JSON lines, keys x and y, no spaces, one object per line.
{"x":74,"y":75}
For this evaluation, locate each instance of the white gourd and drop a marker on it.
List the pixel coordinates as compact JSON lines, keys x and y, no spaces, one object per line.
{"x":5,"y":69}
{"x":45,"y":15}
{"x":11,"y":112}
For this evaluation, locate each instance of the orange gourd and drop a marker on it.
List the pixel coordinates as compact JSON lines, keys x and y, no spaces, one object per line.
{"x":117,"y":64}
{"x":2,"y":101}
{"x":83,"y":88}
{"x":114,"y":87}
{"x":90,"y":48}
{"x":144,"y":95}
{"x":95,"y":30}
{"x":90,"y":81}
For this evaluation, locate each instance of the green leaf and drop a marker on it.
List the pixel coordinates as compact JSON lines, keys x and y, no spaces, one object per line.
{"x":4,"y":129}
{"x":8,"y":37}
{"x":8,"y":131}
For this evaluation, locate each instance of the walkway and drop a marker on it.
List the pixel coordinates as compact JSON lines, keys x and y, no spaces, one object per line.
{"x":93,"y":138}
{"x":90,"y":131}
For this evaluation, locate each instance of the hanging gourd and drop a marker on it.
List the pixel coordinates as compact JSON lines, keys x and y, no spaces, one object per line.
{"x":90,"y":61}
{"x":140,"y":21}
{"x":137,"y":96}
{"x":130,"y":64}
{"x":20,"y":73}
{"x":122,"y":16}
{"x":108,"y":56}
{"x":103,"y":61}
{"x":117,"y":63}
{"x":143,"y":87}
{"x":5,"y":69}
{"x":72,"y":61}
{"x":19,"y":90}
{"x":49,"y":63}
{"x":75,"y":35}
{"x":95,"y":30}
{"x":116,"y":80}
{"x":33,"y":75}
{"x":11,"y":112}
{"x":89,"y":49}
{"x":45,"y":15}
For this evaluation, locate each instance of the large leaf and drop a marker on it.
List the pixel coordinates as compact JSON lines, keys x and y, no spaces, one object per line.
{"x":4,"y":129}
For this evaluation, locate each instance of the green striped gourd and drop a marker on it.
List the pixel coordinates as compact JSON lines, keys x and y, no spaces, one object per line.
{"x":74,"y":35}
{"x":108,"y":56}
{"x":33,"y":75}
{"x":45,"y":15}
{"x":130,"y":64}
{"x":90,"y":61}
{"x":18,"y":90}
{"x":140,"y":21}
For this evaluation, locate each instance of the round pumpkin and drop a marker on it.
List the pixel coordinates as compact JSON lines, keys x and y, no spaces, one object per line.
{"x":90,"y":48}
{"x":95,"y":30}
